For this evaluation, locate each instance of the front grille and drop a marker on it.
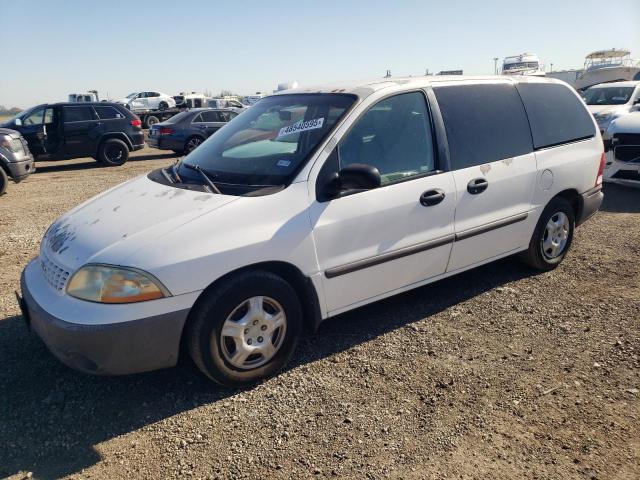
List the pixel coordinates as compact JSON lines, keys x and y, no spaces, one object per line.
{"x":627,"y":175}
{"x":56,"y":276}
{"x":626,"y":139}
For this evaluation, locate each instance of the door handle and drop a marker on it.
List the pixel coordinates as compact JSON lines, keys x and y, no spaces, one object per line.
{"x":477,"y":185}
{"x":431,"y":197}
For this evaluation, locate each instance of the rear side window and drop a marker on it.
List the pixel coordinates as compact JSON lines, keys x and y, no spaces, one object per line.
{"x":484,"y":123}
{"x":211,"y":117}
{"x":556,"y":115}
{"x":107,"y":113}
{"x":77,"y":114}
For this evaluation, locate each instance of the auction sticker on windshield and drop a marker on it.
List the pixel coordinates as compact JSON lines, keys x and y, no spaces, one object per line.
{"x":301,"y":126}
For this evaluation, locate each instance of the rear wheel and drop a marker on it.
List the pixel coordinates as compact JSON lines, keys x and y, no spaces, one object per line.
{"x":552,"y":236}
{"x":246,"y":329}
{"x":191,"y":144}
{"x":113,"y":152}
{"x":4,"y":181}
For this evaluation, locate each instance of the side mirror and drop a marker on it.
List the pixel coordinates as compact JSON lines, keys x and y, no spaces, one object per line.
{"x":351,"y":179}
{"x":17,"y":122}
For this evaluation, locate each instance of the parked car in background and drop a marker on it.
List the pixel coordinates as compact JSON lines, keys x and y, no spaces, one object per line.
{"x":622,"y":148}
{"x":16,"y":161}
{"x":147,"y":101}
{"x":339,"y":199}
{"x":190,"y":100}
{"x":89,"y":96}
{"x":104,"y":131}
{"x":185,"y":131}
{"x":226,"y":103}
{"x":608,"y":101}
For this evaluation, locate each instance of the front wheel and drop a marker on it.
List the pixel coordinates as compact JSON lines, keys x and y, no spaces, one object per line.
{"x":552,"y":236}
{"x":113,"y":152}
{"x":4,"y":181}
{"x":246,"y":329}
{"x":163,"y":105}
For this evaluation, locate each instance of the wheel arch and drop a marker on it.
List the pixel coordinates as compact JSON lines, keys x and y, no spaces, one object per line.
{"x":306,"y":291}
{"x":572,"y":196}
{"x":117,"y":135}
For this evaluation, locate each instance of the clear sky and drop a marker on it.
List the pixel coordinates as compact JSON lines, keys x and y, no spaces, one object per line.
{"x":52,"y":48}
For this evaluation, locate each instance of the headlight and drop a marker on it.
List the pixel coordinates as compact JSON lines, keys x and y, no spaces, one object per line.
{"x":106,"y":284}
{"x":13,"y":144}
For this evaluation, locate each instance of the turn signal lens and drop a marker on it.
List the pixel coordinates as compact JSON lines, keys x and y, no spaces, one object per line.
{"x":106,"y":284}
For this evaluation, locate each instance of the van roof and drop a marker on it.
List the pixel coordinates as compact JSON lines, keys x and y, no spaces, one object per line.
{"x":365,"y":88}
{"x":626,"y":83}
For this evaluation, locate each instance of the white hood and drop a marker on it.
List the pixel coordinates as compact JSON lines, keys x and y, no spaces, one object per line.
{"x":626,"y":124}
{"x":601,"y":109}
{"x":112,"y":226}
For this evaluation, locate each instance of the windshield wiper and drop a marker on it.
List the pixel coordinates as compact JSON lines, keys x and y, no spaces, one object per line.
{"x":204,"y":176}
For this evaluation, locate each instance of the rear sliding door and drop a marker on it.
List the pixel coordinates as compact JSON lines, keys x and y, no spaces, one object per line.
{"x":494,"y":168}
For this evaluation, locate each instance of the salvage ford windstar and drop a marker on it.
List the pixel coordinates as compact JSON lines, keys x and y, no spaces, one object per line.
{"x":311,"y":203}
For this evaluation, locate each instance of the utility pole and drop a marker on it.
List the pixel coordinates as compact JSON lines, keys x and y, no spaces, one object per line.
{"x":551,"y":66}
{"x":495,"y":65}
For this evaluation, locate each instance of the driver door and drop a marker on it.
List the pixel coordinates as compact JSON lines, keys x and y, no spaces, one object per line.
{"x":376,"y":242}
{"x":39,"y":130}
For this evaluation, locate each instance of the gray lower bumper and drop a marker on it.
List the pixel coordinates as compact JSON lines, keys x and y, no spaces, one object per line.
{"x":591,"y":201}
{"x":20,"y":170}
{"x":115,"y":349}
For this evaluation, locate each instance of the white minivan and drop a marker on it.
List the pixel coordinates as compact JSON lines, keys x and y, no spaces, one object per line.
{"x":311,"y":203}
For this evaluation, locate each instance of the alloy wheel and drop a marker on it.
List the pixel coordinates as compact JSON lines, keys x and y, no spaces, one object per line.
{"x":192,"y":144}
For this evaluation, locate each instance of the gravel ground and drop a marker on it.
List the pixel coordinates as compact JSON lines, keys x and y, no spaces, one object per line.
{"x":496,"y":373}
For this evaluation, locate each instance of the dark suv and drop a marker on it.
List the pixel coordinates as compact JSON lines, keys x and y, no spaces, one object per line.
{"x":104,"y":131}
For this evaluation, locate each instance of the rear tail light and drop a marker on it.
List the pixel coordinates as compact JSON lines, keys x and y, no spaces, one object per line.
{"x":166,"y":131}
{"x":136,"y":122}
{"x":600,"y":170}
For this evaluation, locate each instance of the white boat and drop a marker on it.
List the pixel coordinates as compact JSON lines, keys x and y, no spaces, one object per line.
{"x":524,"y":64}
{"x":607,"y":66}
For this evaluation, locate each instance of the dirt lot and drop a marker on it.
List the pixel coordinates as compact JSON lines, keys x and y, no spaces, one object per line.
{"x":496,"y":373}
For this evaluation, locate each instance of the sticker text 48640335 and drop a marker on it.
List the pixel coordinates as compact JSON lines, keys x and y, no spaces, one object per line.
{"x":301,"y":126}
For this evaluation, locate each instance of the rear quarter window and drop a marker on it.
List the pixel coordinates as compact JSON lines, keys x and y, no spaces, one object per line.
{"x":556,"y":114}
{"x":484,"y":123}
{"x":107,"y":113}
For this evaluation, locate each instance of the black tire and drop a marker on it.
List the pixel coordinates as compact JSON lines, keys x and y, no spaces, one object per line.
{"x":192,"y":143}
{"x":113,"y":152}
{"x":204,"y":330}
{"x":151,"y":120}
{"x":127,"y":106}
{"x":536,"y":255}
{"x":4,"y":181}
{"x":163,"y":105}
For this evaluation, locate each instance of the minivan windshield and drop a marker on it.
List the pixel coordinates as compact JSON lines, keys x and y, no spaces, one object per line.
{"x":268,"y":143}
{"x":607,"y":95}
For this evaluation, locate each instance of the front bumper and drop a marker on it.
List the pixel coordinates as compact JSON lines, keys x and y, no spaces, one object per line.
{"x":591,"y":201}
{"x":120,"y":348}
{"x":20,"y":169}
